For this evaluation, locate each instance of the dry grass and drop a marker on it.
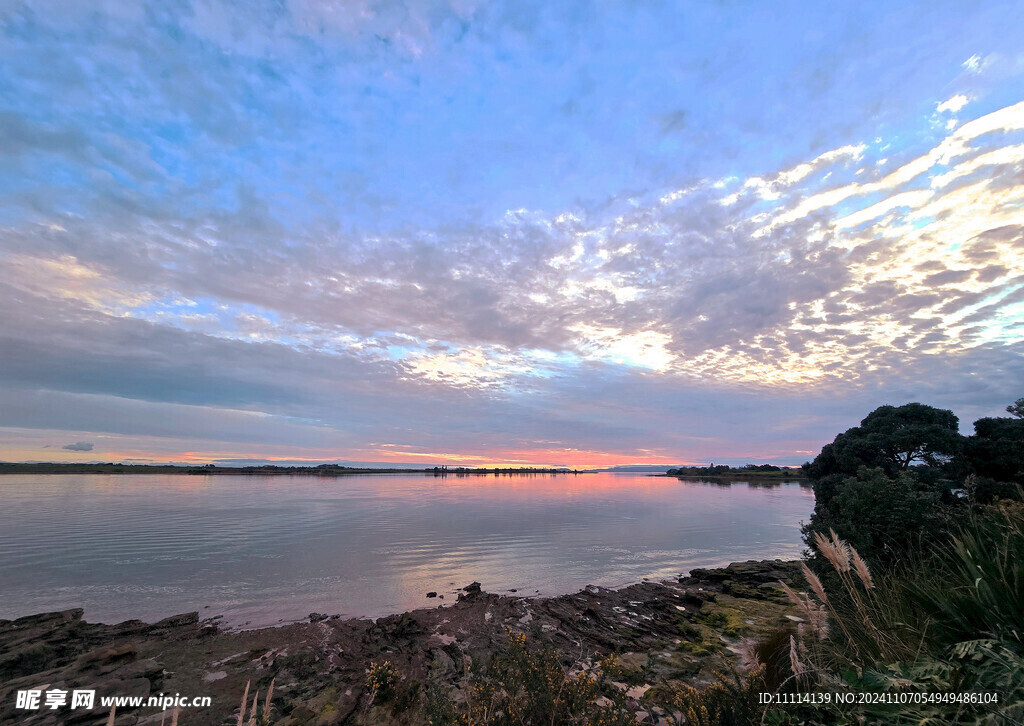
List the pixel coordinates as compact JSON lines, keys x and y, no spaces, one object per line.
{"x":946,"y":622}
{"x":255,"y":718}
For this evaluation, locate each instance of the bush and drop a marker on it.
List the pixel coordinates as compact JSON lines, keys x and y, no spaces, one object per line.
{"x":380,"y":682}
{"x":732,"y":700}
{"x":884,"y":519}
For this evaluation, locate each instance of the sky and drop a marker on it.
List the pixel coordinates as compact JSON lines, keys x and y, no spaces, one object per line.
{"x":468,"y":232}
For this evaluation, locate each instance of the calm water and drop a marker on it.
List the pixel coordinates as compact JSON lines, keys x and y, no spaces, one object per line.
{"x":262,"y":549}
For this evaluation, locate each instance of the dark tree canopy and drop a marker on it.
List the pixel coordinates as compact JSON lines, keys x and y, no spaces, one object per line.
{"x":882,"y":517}
{"x":996,"y":451}
{"x":877,"y":483}
{"x":892,"y":438}
{"x":886,"y":486}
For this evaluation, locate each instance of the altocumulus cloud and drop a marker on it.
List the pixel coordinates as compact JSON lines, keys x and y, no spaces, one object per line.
{"x":262,"y":275}
{"x":78,"y":446}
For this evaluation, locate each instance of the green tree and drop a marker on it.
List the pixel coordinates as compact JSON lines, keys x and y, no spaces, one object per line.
{"x":1016,"y":408}
{"x":996,"y":450}
{"x":892,"y":438}
{"x":882,"y":517}
{"x":877,"y":484}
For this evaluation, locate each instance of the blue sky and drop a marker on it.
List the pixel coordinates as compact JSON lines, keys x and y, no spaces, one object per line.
{"x":549,"y":233}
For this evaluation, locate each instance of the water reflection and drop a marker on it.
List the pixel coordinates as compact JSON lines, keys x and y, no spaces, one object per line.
{"x":263,"y":548}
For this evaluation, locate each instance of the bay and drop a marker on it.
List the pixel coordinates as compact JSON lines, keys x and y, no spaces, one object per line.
{"x":261,"y":550}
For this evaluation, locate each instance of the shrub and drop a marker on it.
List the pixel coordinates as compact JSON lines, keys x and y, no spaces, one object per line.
{"x":380,"y":682}
{"x":884,"y":519}
{"x":732,"y":700}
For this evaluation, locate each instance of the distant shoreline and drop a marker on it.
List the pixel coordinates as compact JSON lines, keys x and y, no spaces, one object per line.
{"x":738,"y":476}
{"x":327,"y":470}
{"x":331,"y":470}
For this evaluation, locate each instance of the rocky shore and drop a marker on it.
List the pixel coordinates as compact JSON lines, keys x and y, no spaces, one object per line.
{"x":663,"y":633}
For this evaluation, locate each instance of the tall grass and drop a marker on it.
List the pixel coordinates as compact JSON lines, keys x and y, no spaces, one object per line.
{"x":979,"y":590}
{"x":262,"y":719}
{"x":950,"y":623}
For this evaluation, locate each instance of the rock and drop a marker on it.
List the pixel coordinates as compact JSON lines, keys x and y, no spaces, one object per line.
{"x":117,"y":687}
{"x":146,"y":668}
{"x":470,"y":591}
{"x":320,"y":670}
{"x":110,"y":654}
{"x":711,"y":575}
{"x":753,"y":573}
{"x":431,"y":594}
{"x":441,"y":662}
{"x":696,"y":598}
{"x":302,"y":714}
{"x":743,"y":591}
{"x":176,"y":621}
{"x":26,"y":660}
{"x":42,"y":618}
{"x":637,"y":691}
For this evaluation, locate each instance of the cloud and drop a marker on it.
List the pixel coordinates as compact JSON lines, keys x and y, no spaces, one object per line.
{"x":79,"y":446}
{"x":1004,"y":120}
{"x":953,"y":104}
{"x":974,"y":63}
{"x":682,"y":283}
{"x":342,"y":226}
